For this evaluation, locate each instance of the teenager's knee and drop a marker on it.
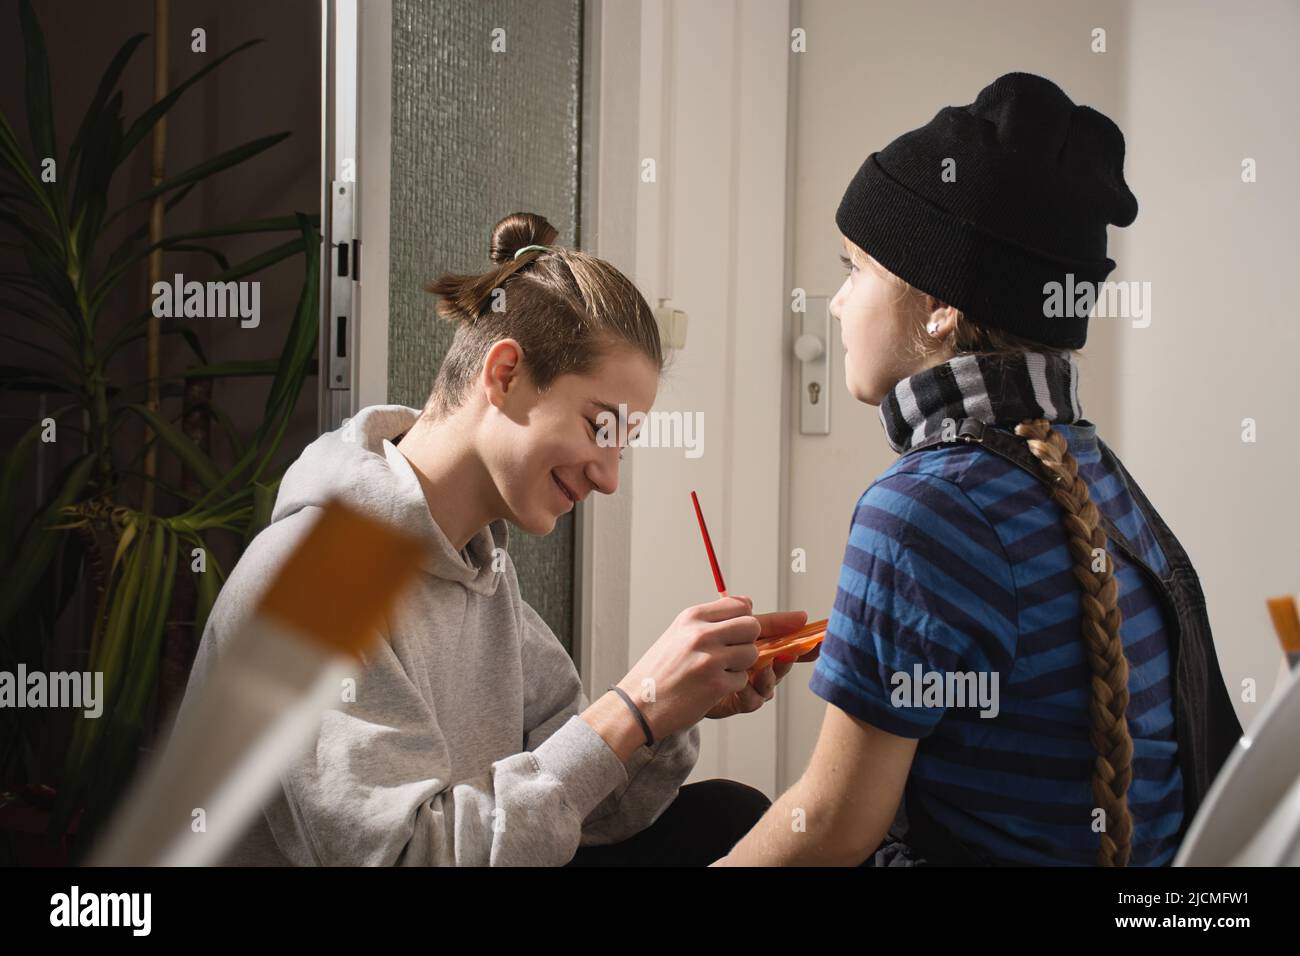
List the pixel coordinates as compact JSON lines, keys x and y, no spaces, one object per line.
{"x":729,"y":804}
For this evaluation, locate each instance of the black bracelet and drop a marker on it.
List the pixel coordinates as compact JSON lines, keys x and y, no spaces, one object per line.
{"x":649,"y":737}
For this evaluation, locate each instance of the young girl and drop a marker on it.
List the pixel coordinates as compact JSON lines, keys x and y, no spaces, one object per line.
{"x":469,"y":740}
{"x":1018,"y":667}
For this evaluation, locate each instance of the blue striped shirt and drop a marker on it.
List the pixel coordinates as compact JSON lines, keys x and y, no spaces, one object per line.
{"x":957,"y":563}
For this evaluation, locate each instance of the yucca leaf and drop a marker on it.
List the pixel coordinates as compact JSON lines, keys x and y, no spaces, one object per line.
{"x":263,"y":505}
{"x":12,"y":154}
{"x":147,"y":648}
{"x":140,"y":128}
{"x":124,"y":248}
{"x":15,"y":463}
{"x":107,"y":657}
{"x":123,"y":605}
{"x":38,"y":544}
{"x":52,"y":274}
{"x":248,"y":227}
{"x":231,"y":369}
{"x":225,"y":516}
{"x":15,"y":466}
{"x":20,"y":379}
{"x":36,"y":84}
{"x":34,"y":231}
{"x":123,"y":545}
{"x":228,"y":427}
{"x":258,"y":262}
{"x":207,"y":586}
{"x":189,"y":453}
{"x":58,"y":357}
{"x":107,"y":83}
{"x":44,"y":315}
{"x":209,"y":167}
{"x":11,"y":196}
{"x":130,"y":472}
{"x":302,"y":340}
{"x":112,"y":755}
{"x":135,"y":329}
{"x":215,"y":254}
{"x":18,"y":280}
{"x":94,"y":176}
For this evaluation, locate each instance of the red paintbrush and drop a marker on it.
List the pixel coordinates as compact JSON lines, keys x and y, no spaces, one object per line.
{"x":708,"y":546}
{"x":792,"y":644}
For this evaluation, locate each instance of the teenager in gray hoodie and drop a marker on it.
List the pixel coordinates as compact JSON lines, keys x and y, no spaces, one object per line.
{"x":468,"y":740}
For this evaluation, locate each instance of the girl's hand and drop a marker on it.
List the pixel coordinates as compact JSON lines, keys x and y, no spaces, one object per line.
{"x":762,"y":687}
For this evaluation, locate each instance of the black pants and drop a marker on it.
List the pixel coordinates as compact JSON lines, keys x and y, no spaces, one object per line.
{"x":702,"y":825}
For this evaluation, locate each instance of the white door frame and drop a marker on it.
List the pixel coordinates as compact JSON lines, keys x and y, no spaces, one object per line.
{"x":356,"y":152}
{"x":374,"y":173}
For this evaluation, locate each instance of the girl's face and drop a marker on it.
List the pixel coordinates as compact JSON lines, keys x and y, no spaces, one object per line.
{"x":878,"y":324}
{"x":547,"y":450}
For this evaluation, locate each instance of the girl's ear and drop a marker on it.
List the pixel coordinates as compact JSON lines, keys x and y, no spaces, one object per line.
{"x":940,"y":319}
{"x":502,"y":370}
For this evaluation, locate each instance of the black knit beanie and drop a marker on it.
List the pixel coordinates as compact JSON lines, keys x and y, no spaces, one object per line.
{"x":1035,"y":180}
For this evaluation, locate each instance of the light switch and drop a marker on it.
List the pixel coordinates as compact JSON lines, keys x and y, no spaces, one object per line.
{"x":672,"y":326}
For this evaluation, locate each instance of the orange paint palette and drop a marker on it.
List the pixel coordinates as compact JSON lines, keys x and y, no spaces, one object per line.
{"x":795,"y":644}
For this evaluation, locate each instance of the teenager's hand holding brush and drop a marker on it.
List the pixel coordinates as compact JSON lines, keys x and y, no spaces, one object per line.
{"x":785,"y":638}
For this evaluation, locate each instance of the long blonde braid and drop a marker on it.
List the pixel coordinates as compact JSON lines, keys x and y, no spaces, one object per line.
{"x":1113,"y":767}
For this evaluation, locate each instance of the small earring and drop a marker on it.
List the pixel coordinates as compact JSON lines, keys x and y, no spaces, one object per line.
{"x":933,"y":327}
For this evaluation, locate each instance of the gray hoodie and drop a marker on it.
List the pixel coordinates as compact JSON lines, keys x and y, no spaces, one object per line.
{"x":463,"y":746}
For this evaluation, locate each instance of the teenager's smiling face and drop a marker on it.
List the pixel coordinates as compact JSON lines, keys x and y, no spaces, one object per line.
{"x":547,"y":450}
{"x":878,"y":320}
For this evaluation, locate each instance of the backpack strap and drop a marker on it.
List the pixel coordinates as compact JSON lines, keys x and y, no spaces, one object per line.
{"x":997,"y":440}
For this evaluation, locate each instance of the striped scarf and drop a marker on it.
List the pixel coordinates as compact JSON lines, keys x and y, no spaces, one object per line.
{"x":1003,"y":390}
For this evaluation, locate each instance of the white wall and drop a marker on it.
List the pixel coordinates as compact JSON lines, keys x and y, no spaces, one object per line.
{"x":1195,"y":87}
{"x":1210,"y":84}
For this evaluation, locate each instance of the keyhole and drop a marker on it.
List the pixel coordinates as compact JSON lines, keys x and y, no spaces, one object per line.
{"x":814,"y":392}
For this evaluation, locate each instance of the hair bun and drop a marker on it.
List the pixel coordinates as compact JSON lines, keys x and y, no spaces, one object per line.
{"x":517,"y":230}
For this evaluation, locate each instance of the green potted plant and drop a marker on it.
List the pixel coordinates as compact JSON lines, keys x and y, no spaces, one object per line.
{"x":108,"y":533}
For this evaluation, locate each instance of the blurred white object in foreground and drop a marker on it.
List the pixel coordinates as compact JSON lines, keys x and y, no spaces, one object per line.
{"x":1251,"y":814}
{"x":265,"y":697}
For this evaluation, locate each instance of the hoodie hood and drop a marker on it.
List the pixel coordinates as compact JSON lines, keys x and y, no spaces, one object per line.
{"x":359,"y":465}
